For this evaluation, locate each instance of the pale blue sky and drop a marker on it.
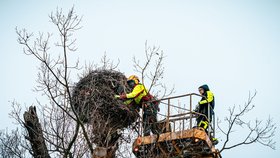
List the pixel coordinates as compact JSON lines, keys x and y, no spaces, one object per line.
{"x":234,"y":46}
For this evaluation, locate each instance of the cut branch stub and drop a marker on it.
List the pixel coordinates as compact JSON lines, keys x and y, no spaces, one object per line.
{"x":35,"y":133}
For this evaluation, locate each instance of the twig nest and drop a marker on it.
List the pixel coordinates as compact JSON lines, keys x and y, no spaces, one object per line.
{"x":93,"y":99}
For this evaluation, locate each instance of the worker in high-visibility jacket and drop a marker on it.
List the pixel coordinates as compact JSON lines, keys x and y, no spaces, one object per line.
{"x":142,"y":97}
{"x":206,"y":103}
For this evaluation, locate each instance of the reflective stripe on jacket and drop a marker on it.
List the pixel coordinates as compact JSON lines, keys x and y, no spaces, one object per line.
{"x":138,"y":92}
{"x":209,"y":99}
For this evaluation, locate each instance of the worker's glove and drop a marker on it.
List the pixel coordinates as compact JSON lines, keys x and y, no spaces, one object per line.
{"x":117,"y":96}
{"x":123,"y":96}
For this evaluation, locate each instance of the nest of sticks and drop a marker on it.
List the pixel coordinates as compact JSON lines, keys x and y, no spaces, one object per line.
{"x":94,"y":101}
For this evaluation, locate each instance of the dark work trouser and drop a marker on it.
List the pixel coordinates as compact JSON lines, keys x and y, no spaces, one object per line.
{"x":203,"y":109}
{"x":150,"y":119}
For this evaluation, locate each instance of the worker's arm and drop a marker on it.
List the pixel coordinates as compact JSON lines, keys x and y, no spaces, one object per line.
{"x":210,"y":97}
{"x":136,"y":91}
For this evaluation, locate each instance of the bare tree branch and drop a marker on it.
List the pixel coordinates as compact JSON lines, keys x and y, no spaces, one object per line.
{"x":257,"y":131}
{"x":152,"y":69}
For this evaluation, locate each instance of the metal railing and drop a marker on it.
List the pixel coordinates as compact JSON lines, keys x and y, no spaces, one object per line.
{"x":186,"y":116}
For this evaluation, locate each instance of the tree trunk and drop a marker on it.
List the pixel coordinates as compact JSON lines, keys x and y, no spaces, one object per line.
{"x":35,"y":133}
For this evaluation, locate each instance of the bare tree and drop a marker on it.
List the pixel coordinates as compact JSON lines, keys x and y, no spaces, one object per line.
{"x":65,"y":126}
{"x":258,"y":131}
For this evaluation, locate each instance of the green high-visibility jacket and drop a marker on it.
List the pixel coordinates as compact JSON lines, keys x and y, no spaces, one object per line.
{"x":209,"y":98}
{"x":138,"y":92}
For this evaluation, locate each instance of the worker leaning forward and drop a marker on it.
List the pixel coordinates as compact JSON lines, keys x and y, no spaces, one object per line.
{"x":141,"y":96}
{"x":206,"y":103}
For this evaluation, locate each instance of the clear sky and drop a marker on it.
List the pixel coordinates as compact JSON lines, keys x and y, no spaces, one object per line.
{"x":234,"y":46}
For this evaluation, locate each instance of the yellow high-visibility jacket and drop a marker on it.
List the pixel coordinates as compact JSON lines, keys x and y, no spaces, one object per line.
{"x":138,"y":92}
{"x":209,"y":96}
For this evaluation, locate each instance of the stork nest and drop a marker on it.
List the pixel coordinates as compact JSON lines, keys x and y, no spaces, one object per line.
{"x":94,"y":101}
